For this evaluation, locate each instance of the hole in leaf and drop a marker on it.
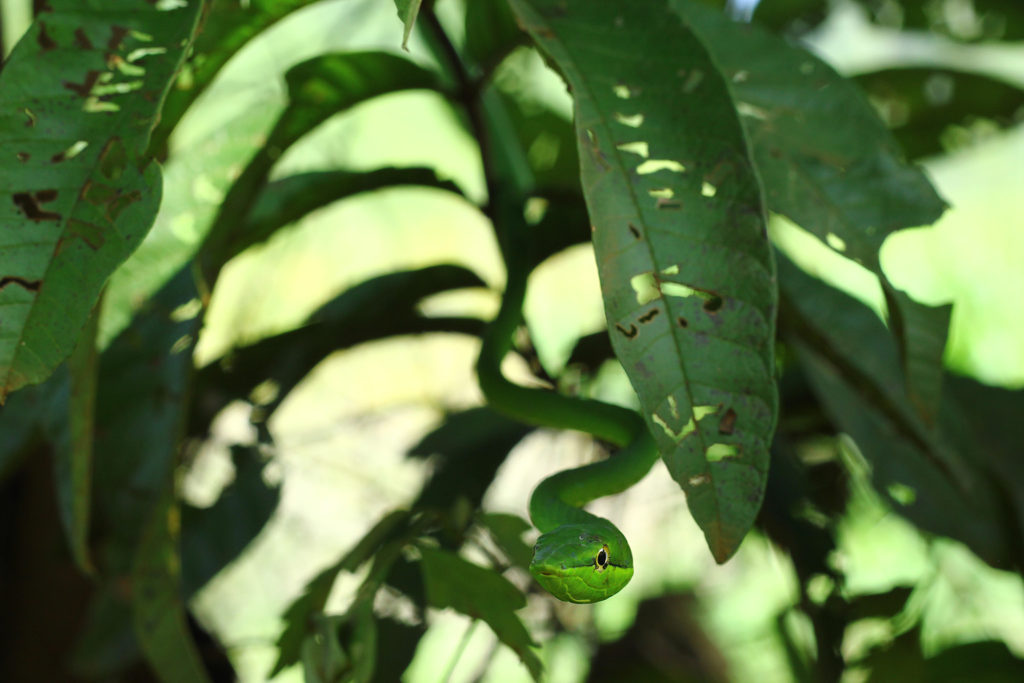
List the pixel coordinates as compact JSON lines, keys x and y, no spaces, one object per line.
{"x":634,"y":230}
{"x":708,"y":190}
{"x":662,"y":192}
{"x":30,"y":205}
{"x":682,"y":321}
{"x":699,"y":479}
{"x":655,"y":165}
{"x":671,"y":270}
{"x":713,"y":304}
{"x":631,"y":120}
{"x":750,"y":111}
{"x":648,"y":316}
{"x":835,"y":241}
{"x":673,"y":406}
{"x":717,"y":452}
{"x":700,"y":412}
{"x":646,"y":287}
{"x":30,"y":118}
{"x":629,"y":333}
{"x":168,"y":5}
{"x":638,"y":148}
{"x":624,"y":92}
{"x":687,"y":429}
{"x":901,"y":493}
{"x":740,"y":76}
{"x":70,"y":153}
{"x":728,"y":422}
{"x":138,"y":53}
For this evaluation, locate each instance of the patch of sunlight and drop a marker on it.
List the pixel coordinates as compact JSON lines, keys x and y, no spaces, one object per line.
{"x":563,"y":303}
{"x":972,"y":257}
{"x":811,"y":254}
{"x":277,"y":285}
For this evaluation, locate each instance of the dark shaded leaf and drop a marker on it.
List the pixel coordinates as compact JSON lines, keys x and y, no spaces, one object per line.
{"x":921,"y":332}
{"x":79,"y":96}
{"x":289,"y":199}
{"x":479,"y":593}
{"x":921,"y":104}
{"x":852,"y":365}
{"x":491,"y":32}
{"x":158,"y":604}
{"x":686,"y":269}
{"x":73,"y":464}
{"x":317,"y":89}
{"x":227,"y":26}
{"x":469,"y":446}
{"x":380,"y":307}
{"x":508,"y":531}
{"x":878,"y":605}
{"x":213,"y":537}
{"x":311,"y":603}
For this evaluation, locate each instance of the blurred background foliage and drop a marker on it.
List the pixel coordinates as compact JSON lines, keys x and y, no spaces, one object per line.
{"x":303,"y":436}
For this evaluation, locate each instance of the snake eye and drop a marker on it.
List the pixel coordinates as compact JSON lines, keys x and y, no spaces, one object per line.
{"x":602,"y":559}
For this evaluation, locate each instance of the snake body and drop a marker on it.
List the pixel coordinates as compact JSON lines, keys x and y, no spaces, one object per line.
{"x":579,"y":557}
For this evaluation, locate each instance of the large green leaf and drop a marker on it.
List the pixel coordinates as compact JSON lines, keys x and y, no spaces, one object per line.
{"x":317,"y":89}
{"x":227,"y":27}
{"x":451,"y":581}
{"x":78,"y":96}
{"x":848,"y":184}
{"x":679,"y":231}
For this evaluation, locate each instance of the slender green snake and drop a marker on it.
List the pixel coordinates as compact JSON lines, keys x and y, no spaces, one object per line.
{"x":579,"y":557}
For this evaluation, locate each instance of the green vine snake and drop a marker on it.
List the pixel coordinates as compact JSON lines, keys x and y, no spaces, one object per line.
{"x":579,"y":557}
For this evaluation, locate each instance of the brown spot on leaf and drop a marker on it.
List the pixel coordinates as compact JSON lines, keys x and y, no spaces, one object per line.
{"x":664,"y":203}
{"x":30,"y":285}
{"x":728,"y":422}
{"x":82,"y":41}
{"x":683,"y":322}
{"x":628,"y":333}
{"x":117,"y":34}
{"x":648,"y":316}
{"x":30,"y":205}
{"x":45,"y":41}
{"x":85,"y":87}
{"x":713,"y":304}
{"x":23,"y":156}
{"x":30,"y":118}
{"x":635,"y":230}
{"x":40,"y":6}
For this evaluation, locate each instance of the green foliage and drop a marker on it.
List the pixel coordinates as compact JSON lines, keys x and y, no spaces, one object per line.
{"x":781,"y":407}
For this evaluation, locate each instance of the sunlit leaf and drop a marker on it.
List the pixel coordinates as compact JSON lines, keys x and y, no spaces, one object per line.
{"x":679,"y":233}
{"x":317,"y":89}
{"x":479,"y":593}
{"x":78,"y":97}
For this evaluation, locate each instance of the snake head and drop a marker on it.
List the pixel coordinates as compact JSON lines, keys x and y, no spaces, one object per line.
{"x":584,"y":562}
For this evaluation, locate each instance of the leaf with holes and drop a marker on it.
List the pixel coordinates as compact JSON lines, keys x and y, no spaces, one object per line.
{"x":78,"y":98}
{"x":679,"y":232}
{"x":849,"y":185}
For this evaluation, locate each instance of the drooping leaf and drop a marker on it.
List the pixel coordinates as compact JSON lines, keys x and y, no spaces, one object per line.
{"x":921,"y":104}
{"x":78,"y":97}
{"x":849,"y":185}
{"x":852,"y":364}
{"x":227,"y":27}
{"x":287,"y":200}
{"x":317,"y":89}
{"x":158,"y":604}
{"x":679,"y":232}
{"x":479,"y":593}
{"x":380,"y":307}
{"x":921,"y":333}
{"x":213,"y":537}
{"x":407,"y":12}
{"x":73,"y":466}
